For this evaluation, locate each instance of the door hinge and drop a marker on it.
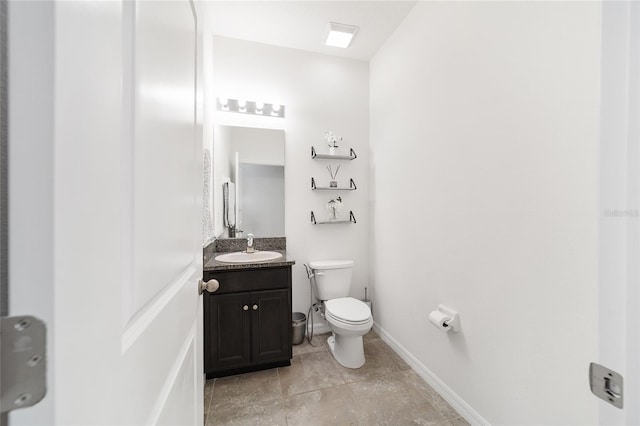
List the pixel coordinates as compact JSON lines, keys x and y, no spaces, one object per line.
{"x":606,"y":384}
{"x":23,"y":366}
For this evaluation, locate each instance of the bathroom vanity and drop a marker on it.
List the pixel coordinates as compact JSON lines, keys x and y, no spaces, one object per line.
{"x":247,"y":320}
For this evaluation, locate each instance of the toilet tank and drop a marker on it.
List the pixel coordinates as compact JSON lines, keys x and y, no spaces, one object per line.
{"x":332,"y":278}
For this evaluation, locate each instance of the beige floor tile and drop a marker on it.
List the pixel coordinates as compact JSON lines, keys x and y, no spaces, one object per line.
{"x":208,"y":394}
{"x":443,"y":406}
{"x":249,"y":388}
{"x":386,"y":414}
{"x":308,"y":372}
{"x":458,"y":421}
{"x":329,"y":406}
{"x":377,"y":363}
{"x":208,"y":390}
{"x":392,"y":400}
{"x":316,"y":390}
{"x":270,"y":412}
{"x":434,"y":398}
{"x":394,"y":358}
{"x":392,"y":389}
{"x":371,"y":336}
{"x":319,"y":343}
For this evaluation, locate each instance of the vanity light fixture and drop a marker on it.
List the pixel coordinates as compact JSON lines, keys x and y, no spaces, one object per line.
{"x":340,"y":35}
{"x":250,"y":107}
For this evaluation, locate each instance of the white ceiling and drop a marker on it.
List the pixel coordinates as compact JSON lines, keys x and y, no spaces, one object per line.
{"x":304,"y":24}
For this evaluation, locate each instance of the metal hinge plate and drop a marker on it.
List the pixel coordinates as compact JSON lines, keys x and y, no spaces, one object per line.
{"x":23,"y":367}
{"x":606,"y":384}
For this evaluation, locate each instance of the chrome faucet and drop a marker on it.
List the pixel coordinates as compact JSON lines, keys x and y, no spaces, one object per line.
{"x":250,"y":248}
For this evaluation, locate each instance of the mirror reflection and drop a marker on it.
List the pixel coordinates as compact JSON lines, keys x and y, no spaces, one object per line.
{"x":248,"y":182}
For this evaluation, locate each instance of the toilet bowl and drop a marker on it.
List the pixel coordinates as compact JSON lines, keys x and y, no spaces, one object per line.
{"x":348,"y":318}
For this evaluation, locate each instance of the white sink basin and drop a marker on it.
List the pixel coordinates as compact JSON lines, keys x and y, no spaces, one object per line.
{"x":243,"y":257}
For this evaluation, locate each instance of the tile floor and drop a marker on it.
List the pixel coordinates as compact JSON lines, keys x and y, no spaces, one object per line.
{"x":316,"y":390}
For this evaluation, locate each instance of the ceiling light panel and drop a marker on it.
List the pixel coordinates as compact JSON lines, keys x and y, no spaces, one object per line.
{"x":340,"y":35}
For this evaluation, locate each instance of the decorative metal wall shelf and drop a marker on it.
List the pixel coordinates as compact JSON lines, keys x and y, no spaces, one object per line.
{"x":352,"y":219}
{"x":352,"y":155}
{"x":352,"y":187}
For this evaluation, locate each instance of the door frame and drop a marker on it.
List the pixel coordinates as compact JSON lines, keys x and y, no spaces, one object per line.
{"x":4,"y":173}
{"x":30,"y":68}
{"x":619,"y":214}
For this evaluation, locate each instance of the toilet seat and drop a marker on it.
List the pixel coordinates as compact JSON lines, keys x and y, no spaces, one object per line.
{"x":348,"y":310}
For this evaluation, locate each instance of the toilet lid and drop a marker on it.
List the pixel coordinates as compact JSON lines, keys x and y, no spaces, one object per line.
{"x":348,"y":309}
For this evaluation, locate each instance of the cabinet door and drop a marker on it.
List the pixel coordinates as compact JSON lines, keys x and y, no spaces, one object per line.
{"x":228,"y":331}
{"x":271,"y":325}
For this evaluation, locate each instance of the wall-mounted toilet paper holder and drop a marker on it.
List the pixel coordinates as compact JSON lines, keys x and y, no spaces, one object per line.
{"x":454,"y":322}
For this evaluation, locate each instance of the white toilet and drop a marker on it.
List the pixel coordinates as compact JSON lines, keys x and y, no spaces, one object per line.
{"x":349,"y":318}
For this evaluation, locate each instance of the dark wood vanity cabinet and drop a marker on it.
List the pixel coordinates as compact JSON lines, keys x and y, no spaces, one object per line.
{"x":247,"y":321}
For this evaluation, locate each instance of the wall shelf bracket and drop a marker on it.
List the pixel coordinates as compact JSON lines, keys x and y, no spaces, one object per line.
{"x":314,"y":187}
{"x":352,"y":155}
{"x":352,"y":219}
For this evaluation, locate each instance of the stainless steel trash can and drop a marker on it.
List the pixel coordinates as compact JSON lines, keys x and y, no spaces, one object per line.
{"x":298,"y":327}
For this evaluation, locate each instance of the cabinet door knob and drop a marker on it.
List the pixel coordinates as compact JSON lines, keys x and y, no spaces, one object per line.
{"x":245,"y":308}
{"x":255,"y":307}
{"x":211,"y":286}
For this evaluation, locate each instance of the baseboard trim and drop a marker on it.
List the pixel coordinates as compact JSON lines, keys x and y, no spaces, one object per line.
{"x":434,"y":381}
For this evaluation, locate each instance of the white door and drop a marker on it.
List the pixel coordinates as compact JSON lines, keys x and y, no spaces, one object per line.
{"x":619,"y":254}
{"x":124,"y":225}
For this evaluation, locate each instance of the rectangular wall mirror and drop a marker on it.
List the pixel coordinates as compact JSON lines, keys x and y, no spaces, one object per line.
{"x":248,"y":182}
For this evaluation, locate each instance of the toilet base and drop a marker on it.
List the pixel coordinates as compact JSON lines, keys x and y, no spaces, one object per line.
{"x":347,"y":350}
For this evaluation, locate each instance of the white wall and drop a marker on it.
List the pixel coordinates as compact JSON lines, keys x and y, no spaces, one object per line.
{"x":320,"y":93}
{"x":484,"y":133}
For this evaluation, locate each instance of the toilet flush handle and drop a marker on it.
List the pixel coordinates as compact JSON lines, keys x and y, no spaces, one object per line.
{"x":309,"y":271}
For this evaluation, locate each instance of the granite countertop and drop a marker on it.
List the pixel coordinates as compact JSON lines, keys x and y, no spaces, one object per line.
{"x":213,"y":265}
{"x":277,"y":244}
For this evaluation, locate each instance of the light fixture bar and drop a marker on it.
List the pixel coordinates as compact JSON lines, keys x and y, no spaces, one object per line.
{"x":340,"y":35}
{"x":250,"y":107}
